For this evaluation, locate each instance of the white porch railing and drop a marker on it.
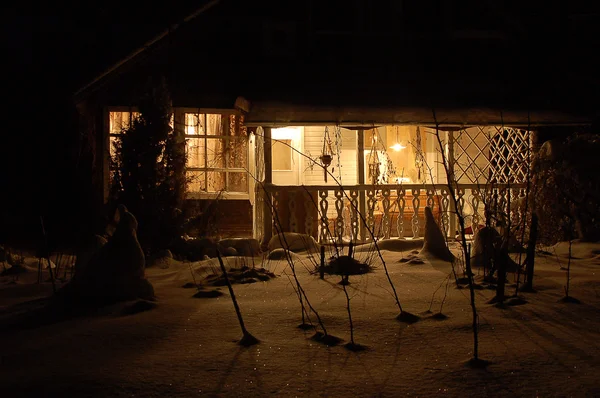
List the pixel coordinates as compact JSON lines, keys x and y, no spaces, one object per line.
{"x":361,"y":212}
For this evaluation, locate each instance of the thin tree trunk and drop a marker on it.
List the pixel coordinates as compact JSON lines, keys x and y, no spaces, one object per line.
{"x":530,"y":257}
{"x":247,"y":339}
{"x":322,"y":266}
{"x":349,"y":315}
{"x":569,"y":268}
{"x":502,"y":259}
{"x":475,"y":361}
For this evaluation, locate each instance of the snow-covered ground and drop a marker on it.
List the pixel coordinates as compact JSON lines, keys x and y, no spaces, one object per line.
{"x":187,"y":346}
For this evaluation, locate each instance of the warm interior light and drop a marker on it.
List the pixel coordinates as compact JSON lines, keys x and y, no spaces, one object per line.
{"x":397,"y":147}
{"x":401,"y":180}
{"x":286,"y":133}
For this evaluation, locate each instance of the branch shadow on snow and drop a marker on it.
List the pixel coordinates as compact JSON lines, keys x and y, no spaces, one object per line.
{"x":56,"y":309}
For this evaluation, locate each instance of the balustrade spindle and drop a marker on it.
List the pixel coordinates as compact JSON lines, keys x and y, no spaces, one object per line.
{"x":430,"y":198}
{"x":354,"y":214}
{"x":385,"y":220}
{"x":415,"y":217}
{"x":475,"y":202}
{"x":460,"y":201}
{"x":339,"y":221}
{"x":401,"y":192}
{"x":324,"y":206}
{"x":445,"y":211}
{"x":371,"y":212}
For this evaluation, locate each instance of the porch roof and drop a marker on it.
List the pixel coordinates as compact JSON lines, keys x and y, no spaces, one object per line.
{"x":457,"y":100}
{"x":277,"y":114}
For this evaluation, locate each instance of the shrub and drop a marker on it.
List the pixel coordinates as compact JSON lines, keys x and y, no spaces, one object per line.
{"x":149,"y":171}
{"x":566,"y":188}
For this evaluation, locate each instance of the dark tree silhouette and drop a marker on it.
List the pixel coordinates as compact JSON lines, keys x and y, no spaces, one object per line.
{"x":149,"y":170}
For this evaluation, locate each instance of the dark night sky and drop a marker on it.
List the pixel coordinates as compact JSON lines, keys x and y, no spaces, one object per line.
{"x":68,"y":46}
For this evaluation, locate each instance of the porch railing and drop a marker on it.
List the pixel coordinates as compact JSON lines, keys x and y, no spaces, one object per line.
{"x":364,"y":212}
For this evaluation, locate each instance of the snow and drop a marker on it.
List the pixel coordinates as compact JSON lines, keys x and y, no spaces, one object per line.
{"x":186,"y":346}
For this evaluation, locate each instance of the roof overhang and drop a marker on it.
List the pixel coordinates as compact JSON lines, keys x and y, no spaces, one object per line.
{"x":273,"y":114}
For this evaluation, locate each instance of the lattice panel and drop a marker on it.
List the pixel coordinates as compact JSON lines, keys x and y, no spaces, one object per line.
{"x":509,"y":155}
{"x":471,"y":155}
{"x":491,"y":154}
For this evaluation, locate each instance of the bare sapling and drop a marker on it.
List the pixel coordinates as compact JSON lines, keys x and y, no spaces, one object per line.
{"x":322,"y":266}
{"x":502,"y":260}
{"x":247,"y":339}
{"x":568,"y":298}
{"x":302,"y":296}
{"x":451,"y":182}
{"x":404,"y":316}
{"x":440,"y":315}
{"x":524,"y":212}
{"x":306,"y":322}
{"x":352,"y":346}
{"x":569,"y":269}
{"x":530,"y":255}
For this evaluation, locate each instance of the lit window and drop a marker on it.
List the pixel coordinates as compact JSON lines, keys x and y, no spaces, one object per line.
{"x":119,"y":122}
{"x":282,"y":155}
{"x":217,"y":153}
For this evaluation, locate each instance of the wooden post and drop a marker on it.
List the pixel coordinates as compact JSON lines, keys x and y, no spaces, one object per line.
{"x":360,"y":172}
{"x":453,"y":182}
{"x":267,"y":202}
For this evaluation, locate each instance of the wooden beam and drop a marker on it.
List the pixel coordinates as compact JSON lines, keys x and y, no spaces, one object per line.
{"x":267,"y":201}
{"x":360,"y":171}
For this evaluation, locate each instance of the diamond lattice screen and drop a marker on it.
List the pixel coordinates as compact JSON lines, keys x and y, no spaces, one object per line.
{"x":491,"y":155}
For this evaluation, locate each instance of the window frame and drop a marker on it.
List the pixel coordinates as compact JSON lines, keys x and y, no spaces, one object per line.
{"x":131,"y":110}
{"x":107,"y":146}
{"x":181,"y":116}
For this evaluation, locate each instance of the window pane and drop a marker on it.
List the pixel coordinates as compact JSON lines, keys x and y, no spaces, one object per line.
{"x":194,"y":124}
{"x":238,"y":153}
{"x":215,"y":150}
{"x":215,"y":181}
{"x":238,"y":182}
{"x":113,"y":142}
{"x":196,"y":182}
{"x":282,"y":155}
{"x":196,"y":153}
{"x":214,"y":125}
{"x":118,"y":121}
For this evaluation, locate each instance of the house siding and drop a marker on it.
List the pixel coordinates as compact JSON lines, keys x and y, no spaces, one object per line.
{"x":313,"y":147}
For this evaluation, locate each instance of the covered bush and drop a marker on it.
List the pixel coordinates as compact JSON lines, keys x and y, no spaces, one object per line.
{"x":566,"y":187}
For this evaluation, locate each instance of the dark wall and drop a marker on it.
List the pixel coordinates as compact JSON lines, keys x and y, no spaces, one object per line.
{"x":224,"y":218}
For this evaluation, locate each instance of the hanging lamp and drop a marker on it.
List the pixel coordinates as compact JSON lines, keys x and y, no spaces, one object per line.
{"x":397,"y":146}
{"x":373,"y":160}
{"x":326,"y":154}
